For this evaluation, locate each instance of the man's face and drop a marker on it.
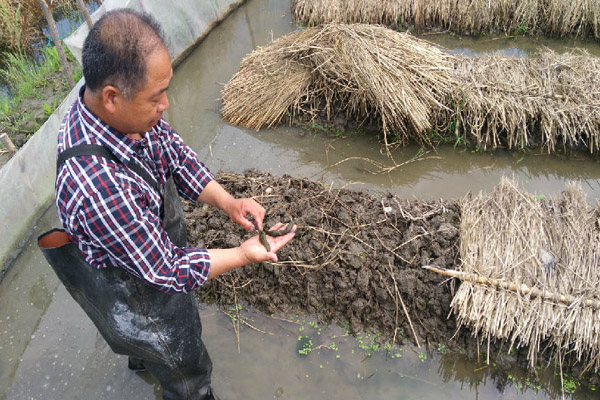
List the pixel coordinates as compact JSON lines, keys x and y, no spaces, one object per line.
{"x":143,"y":112}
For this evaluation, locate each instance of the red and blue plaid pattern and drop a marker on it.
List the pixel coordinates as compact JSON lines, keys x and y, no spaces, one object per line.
{"x":113,"y":214}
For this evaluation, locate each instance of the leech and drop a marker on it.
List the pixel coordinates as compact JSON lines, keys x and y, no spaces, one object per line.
{"x":263,"y":240}
{"x":263,"y":234}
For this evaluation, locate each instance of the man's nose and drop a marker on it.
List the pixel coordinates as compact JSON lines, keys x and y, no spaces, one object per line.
{"x":163,"y":104}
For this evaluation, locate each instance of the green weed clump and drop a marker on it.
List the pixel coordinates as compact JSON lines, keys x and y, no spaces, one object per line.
{"x":37,"y":88}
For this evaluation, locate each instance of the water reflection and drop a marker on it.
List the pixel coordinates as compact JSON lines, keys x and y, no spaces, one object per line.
{"x":508,"y":379}
{"x":518,"y":46}
{"x":447,"y":172}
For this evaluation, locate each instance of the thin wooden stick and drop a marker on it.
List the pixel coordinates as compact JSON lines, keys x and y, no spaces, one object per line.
{"x":85,"y":13}
{"x":57,"y":42}
{"x":522,"y":288}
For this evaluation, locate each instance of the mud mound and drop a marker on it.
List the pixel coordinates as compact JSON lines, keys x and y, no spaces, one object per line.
{"x":356,"y":259}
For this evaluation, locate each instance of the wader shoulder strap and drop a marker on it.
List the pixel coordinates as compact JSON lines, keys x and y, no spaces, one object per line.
{"x":101,"y":151}
{"x":171,"y":213}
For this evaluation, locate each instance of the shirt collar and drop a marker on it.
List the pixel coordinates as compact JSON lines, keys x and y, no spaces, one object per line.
{"x":97,"y":131}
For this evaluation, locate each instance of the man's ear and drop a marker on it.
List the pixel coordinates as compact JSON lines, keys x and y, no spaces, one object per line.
{"x":111,"y":98}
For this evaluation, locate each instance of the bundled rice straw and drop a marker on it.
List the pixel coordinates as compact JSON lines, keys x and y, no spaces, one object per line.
{"x":549,"y":247}
{"x":547,"y":100}
{"x":354,"y":70}
{"x":550,"y":17}
{"x":414,"y":89}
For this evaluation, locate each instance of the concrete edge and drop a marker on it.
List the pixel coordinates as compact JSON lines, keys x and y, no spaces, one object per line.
{"x":27,"y":179}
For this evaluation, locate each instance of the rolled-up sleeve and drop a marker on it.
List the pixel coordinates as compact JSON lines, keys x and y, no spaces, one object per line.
{"x":190,"y":175}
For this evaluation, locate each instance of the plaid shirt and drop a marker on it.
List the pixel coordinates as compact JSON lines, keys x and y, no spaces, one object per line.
{"x":112,"y":214}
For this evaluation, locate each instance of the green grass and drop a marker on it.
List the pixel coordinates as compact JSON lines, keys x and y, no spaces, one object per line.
{"x":25,"y":76}
{"x":30,"y":80}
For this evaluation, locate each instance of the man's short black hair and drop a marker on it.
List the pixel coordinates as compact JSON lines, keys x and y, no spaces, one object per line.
{"x":116,"y":49}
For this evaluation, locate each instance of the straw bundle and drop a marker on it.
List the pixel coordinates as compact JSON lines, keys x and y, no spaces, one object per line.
{"x":362,"y":72}
{"x":552,"y":17}
{"x":551,"y":247}
{"x":545,"y":100}
{"x":358,"y":71}
{"x":579,"y":17}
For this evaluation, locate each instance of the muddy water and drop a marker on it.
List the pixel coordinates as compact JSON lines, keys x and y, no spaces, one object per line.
{"x":518,"y":46}
{"x":450,"y":172}
{"x":343,"y":367}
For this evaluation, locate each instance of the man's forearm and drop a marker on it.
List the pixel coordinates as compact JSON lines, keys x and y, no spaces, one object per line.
{"x":215,"y":195}
{"x":223,"y":260}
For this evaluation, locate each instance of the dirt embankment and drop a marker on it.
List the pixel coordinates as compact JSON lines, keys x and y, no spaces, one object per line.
{"x":356,"y":259}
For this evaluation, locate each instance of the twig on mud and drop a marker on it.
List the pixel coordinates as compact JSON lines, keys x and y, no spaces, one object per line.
{"x":299,"y":264}
{"x":422,"y":215}
{"x":232,"y":286}
{"x":404,"y":307}
{"x":392,"y":251}
{"x":397,"y":307}
{"x":411,"y":239}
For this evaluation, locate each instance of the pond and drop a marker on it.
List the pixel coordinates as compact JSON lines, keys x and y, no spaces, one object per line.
{"x":348,"y":161}
{"x":449,"y":172}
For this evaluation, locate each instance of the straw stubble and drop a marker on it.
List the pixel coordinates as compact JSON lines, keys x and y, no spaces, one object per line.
{"x":417,"y":92}
{"x":475,"y":17}
{"x":548,"y":246}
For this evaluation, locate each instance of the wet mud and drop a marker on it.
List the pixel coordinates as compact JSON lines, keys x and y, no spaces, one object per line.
{"x":356,"y":259}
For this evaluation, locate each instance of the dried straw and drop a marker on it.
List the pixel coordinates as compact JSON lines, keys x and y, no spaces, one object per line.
{"x":413,"y":89}
{"x":520,"y":241}
{"x":353,"y":70}
{"x":549,"y":17}
{"x":548,"y":99}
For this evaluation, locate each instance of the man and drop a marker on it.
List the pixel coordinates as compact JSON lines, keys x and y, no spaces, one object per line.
{"x":123,"y":256}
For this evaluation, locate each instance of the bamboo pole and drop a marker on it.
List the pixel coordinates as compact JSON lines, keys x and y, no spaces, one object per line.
{"x":85,"y":13}
{"x":57,"y":42}
{"x":513,"y":287}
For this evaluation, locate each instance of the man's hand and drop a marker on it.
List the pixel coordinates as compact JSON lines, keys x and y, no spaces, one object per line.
{"x":251,"y":251}
{"x":254,"y":250}
{"x":239,"y":210}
